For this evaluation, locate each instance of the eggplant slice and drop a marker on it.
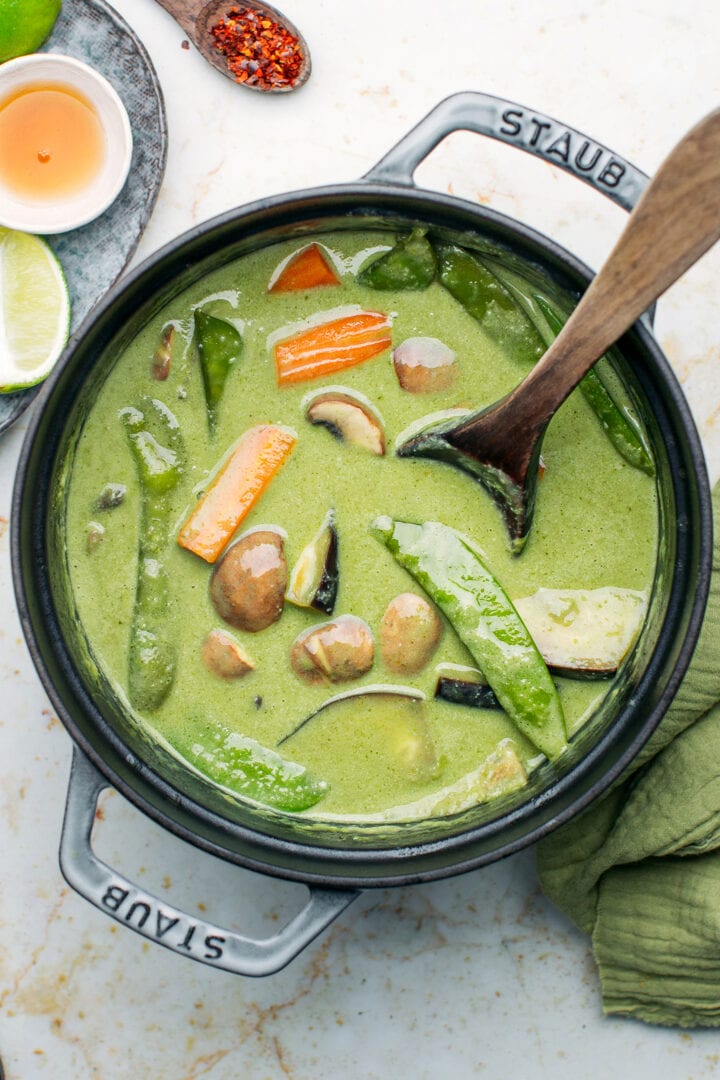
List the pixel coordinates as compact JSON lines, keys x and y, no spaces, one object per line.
{"x":584,"y":633}
{"x":315,"y":576}
{"x":580,"y":633}
{"x":404,"y":734}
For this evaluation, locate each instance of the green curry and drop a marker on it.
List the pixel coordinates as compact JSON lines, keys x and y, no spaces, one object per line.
{"x":280,"y":385}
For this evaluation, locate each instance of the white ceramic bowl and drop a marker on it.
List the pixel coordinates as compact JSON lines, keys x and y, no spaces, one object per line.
{"x":60,"y":214}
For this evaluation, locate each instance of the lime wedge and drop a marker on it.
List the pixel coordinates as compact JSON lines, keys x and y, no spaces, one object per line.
{"x":34,"y":310}
{"x":24,"y":25}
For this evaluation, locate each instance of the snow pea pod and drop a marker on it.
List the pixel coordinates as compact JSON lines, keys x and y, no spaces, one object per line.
{"x":485,"y":297}
{"x":219,"y":346}
{"x":484,"y":286}
{"x":247,"y":768}
{"x":410,"y":264}
{"x":620,"y":426}
{"x":156,"y":444}
{"x":452,"y":572}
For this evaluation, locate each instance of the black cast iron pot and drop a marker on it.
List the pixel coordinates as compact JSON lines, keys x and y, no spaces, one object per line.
{"x":338,"y":861}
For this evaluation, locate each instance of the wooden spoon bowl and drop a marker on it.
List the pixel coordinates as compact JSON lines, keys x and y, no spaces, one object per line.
{"x":675,"y":222}
{"x":198,"y":17}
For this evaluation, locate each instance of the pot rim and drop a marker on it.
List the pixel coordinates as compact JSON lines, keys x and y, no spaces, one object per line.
{"x":365,"y":866}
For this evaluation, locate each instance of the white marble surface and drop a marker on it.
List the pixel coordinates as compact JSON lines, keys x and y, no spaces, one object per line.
{"x":476,"y":976}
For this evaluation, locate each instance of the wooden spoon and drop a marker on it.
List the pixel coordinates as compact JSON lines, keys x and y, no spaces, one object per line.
{"x":675,"y":222}
{"x":197,"y":17}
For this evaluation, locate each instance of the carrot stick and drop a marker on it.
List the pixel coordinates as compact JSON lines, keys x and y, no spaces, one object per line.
{"x":332,"y":346}
{"x":306,"y":269}
{"x":250,"y":467}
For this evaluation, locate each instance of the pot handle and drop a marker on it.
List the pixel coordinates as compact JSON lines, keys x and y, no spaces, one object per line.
{"x":161,"y":922}
{"x":516,"y":125}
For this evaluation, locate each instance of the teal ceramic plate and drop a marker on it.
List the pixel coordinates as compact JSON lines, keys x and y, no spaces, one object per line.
{"x":96,"y":254}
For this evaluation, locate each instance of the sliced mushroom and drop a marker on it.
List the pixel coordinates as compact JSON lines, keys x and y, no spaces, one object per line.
{"x":409,"y":633}
{"x":424,"y":365}
{"x":349,"y":417}
{"x":224,"y":656}
{"x":336,"y":651}
{"x":248,"y":583}
{"x":314,"y":578}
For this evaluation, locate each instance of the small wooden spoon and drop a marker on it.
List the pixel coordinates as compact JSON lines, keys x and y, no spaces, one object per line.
{"x":197,"y":17}
{"x":675,"y":222}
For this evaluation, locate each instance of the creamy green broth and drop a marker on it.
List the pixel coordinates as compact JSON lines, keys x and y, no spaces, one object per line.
{"x":595,"y":525}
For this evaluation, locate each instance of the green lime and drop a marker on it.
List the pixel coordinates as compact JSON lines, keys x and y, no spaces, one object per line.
{"x":34,"y":310}
{"x":24,"y":25}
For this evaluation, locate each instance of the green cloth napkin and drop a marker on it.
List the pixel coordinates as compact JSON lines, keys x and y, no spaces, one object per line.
{"x":640,"y":870}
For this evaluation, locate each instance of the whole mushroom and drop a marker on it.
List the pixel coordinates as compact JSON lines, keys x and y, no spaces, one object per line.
{"x":424,"y":365}
{"x":248,"y":583}
{"x":409,"y":633}
{"x":335,"y":651}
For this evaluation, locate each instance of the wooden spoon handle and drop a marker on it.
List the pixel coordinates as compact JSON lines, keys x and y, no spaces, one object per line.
{"x":184,"y":12}
{"x":675,"y":222}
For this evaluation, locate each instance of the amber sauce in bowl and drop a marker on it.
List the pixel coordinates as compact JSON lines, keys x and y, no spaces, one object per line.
{"x":51,"y":141}
{"x":65,"y":144}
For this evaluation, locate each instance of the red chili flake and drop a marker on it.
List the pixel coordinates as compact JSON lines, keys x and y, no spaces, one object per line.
{"x":259,"y":51}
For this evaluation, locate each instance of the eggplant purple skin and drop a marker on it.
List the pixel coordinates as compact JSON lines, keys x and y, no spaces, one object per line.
{"x":461,"y":692}
{"x":326,"y":592}
{"x":478,"y":696}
